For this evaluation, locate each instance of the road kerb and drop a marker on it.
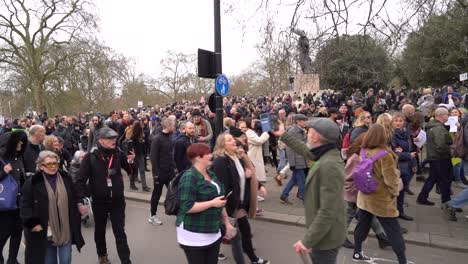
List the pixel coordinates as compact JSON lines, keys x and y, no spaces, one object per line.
{"x":293,"y":220}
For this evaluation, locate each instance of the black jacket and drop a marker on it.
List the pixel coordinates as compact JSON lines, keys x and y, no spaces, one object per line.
{"x":138,"y":146}
{"x":30,"y":156}
{"x":180,"y":148}
{"x":66,"y":133}
{"x":93,"y":175}
{"x":162,"y":157}
{"x":8,"y":154}
{"x":226,"y":171}
{"x":35,"y":211}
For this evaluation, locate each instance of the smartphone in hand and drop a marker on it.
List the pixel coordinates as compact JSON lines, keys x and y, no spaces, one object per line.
{"x":227,"y":195}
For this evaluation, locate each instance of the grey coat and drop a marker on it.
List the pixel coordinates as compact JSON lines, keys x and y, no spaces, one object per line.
{"x":295,"y":160}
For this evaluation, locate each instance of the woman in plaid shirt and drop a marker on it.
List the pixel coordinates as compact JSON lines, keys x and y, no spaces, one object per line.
{"x":202,"y":211}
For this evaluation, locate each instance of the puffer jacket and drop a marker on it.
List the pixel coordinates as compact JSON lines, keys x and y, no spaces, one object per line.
{"x":402,"y":139}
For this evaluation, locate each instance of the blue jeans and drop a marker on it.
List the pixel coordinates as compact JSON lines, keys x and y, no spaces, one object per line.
{"x":457,"y":169}
{"x":405,"y":173}
{"x":298,"y":177}
{"x":282,"y":159}
{"x":460,"y":200}
{"x":64,"y":254}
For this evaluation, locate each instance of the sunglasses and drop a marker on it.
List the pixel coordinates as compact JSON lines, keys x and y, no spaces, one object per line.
{"x":51,"y":165}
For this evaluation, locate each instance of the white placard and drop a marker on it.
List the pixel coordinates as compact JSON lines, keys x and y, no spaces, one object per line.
{"x":140,"y":103}
{"x":420,"y":140}
{"x":452,"y":122}
{"x":463,"y":76}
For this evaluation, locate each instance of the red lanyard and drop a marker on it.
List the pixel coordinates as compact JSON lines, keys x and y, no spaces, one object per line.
{"x":109,"y":164}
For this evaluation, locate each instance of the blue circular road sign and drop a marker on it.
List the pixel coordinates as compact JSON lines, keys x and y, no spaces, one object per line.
{"x":222,"y":85}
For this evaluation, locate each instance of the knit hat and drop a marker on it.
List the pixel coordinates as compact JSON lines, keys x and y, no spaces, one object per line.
{"x":326,"y":128}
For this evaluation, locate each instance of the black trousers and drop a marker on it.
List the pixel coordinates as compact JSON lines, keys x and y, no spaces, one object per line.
{"x":242,"y":243}
{"x":116,"y":210}
{"x":36,"y":246}
{"x":391,"y":227}
{"x":156,"y":194}
{"x":440,"y":172}
{"x":202,"y":255}
{"x":10,"y":228}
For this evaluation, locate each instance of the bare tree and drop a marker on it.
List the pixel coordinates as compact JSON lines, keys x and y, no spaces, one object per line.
{"x":30,"y":32}
{"x":385,"y":20}
{"x":177,"y":69}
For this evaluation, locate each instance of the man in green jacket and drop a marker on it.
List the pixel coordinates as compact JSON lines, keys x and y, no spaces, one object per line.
{"x":323,"y":198}
{"x":439,"y":156}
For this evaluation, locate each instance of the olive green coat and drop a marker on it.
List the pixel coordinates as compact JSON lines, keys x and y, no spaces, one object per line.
{"x":323,"y":198}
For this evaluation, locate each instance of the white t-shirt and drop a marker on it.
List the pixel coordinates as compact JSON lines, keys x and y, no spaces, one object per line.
{"x":193,"y":239}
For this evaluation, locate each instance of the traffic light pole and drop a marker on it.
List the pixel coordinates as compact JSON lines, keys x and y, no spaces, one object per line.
{"x":218,"y":67}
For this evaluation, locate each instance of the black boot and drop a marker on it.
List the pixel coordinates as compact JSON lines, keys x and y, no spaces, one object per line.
{"x":133,"y":186}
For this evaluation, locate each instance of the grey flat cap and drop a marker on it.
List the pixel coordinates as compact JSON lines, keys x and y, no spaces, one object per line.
{"x":326,"y":128}
{"x":106,"y":132}
{"x":299,"y":117}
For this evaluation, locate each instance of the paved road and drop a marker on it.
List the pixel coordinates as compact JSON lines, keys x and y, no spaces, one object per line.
{"x":157,"y":244}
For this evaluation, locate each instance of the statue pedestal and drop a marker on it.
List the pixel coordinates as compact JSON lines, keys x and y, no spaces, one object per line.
{"x":305,"y":83}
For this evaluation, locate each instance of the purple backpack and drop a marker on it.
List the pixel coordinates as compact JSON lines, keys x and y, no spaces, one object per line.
{"x":363,"y":178}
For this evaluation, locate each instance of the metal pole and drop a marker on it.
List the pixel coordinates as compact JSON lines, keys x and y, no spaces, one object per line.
{"x":218,"y":66}
{"x":9,"y":106}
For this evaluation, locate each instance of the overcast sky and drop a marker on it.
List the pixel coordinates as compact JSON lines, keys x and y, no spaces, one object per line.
{"x":144,"y":30}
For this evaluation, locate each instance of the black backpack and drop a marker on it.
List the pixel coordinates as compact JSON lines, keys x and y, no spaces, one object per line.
{"x":172,"y":202}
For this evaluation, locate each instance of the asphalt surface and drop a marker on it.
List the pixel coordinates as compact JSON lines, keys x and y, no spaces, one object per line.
{"x":157,"y":244}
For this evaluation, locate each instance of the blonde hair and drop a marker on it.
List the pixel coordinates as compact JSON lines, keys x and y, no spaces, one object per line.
{"x":49,"y":142}
{"x":46,"y":154}
{"x":228,"y":122}
{"x":290,"y":120}
{"x":385,"y":120}
{"x":220,"y":146}
{"x":360,"y":120}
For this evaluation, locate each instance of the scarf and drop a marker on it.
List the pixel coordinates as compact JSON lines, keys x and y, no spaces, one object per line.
{"x":201,"y":128}
{"x":320,"y":150}
{"x":59,"y":222}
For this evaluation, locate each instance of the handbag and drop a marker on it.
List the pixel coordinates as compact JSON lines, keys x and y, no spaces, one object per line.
{"x":8,"y":192}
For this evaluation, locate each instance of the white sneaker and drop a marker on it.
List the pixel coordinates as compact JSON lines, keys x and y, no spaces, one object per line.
{"x":260,"y":198}
{"x":154,"y":220}
{"x":461,"y":185}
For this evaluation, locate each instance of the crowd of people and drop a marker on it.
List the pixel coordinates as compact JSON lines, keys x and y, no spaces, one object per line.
{"x":324,"y":140}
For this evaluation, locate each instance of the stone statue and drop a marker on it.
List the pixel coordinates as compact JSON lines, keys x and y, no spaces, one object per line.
{"x":303,"y":46}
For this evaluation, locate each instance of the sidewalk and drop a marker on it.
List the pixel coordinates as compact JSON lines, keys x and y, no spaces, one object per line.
{"x":430,"y":227}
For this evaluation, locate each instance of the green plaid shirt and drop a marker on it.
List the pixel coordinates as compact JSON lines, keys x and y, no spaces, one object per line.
{"x":193,"y":188}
